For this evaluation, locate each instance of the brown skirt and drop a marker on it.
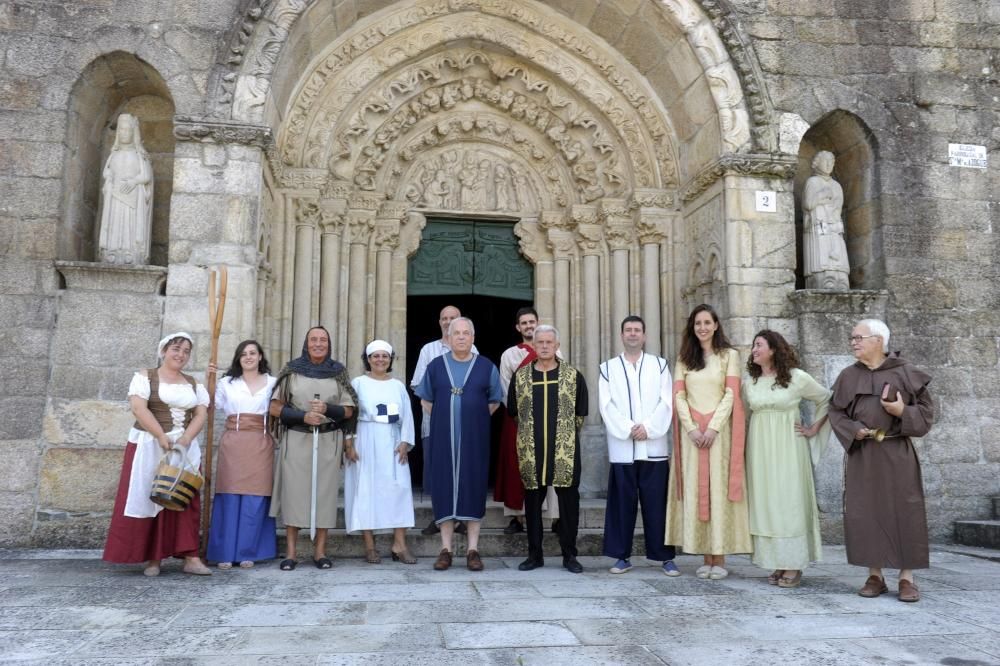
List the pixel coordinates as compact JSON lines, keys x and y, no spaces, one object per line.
{"x":134,"y":540}
{"x":246,"y":457}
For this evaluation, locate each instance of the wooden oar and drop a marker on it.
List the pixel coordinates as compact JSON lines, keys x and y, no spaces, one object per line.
{"x":216,"y":309}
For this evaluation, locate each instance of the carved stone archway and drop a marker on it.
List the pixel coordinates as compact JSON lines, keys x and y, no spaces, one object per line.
{"x":402,"y":109}
{"x":486,"y":107}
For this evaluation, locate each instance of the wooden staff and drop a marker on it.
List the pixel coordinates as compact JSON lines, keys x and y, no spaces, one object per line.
{"x":216,"y":309}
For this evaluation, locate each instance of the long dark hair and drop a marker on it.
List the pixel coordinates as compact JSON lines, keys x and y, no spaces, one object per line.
{"x":784,"y":358}
{"x":692,"y":354}
{"x":236,"y":370}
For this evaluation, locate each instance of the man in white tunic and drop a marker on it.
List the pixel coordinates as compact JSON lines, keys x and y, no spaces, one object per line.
{"x":428,"y":353}
{"x":636,"y":404}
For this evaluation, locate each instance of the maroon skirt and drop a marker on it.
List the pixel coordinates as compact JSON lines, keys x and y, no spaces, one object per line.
{"x":134,"y":540}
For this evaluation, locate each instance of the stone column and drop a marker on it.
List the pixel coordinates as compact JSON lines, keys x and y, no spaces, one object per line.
{"x":386,"y":240}
{"x":332,"y":222}
{"x":531,"y":240}
{"x":618,"y":230}
{"x":295,"y":185}
{"x":562,"y":243}
{"x":412,"y":226}
{"x":360,"y":222}
{"x":307,"y":217}
{"x":653,"y":222}
{"x":590,"y":238}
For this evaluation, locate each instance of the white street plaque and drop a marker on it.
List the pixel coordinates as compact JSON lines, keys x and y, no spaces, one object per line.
{"x":967,"y":155}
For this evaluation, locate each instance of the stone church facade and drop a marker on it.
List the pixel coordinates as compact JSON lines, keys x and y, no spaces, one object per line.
{"x":646,"y":155}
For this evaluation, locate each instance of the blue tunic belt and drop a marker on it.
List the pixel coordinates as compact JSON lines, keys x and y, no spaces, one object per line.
{"x":459,"y":444}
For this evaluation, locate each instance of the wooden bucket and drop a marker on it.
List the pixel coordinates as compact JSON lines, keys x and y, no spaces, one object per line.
{"x":175,"y":486}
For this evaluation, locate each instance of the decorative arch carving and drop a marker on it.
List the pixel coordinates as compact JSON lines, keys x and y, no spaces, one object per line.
{"x":606,"y":142}
{"x":242,"y":82}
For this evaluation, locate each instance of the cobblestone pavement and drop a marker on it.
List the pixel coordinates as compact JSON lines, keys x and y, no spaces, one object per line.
{"x":67,"y":607}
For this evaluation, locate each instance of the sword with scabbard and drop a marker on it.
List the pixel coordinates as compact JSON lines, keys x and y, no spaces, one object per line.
{"x":312,"y":504}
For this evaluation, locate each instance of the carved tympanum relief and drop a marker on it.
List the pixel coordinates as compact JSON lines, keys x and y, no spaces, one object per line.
{"x":471,"y":180}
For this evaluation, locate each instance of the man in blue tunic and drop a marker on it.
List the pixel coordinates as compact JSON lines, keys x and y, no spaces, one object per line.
{"x":460,"y":390}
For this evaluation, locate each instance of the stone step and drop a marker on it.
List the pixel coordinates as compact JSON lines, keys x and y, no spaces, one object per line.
{"x":996,"y":507}
{"x":591,"y":514}
{"x":981,"y":533}
{"x":492,"y":543}
{"x":492,"y":540}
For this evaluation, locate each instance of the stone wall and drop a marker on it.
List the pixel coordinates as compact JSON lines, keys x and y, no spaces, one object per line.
{"x":50,"y":339}
{"x":920,"y":74}
{"x":915,"y":74}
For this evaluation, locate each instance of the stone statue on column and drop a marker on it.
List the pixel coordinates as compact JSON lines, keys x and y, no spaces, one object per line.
{"x":824,"y":251}
{"x":126,"y":198}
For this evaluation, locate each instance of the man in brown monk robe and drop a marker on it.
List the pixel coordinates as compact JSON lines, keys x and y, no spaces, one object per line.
{"x":878,"y":404}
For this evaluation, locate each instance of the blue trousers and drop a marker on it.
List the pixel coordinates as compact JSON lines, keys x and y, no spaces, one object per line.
{"x":629,"y":485}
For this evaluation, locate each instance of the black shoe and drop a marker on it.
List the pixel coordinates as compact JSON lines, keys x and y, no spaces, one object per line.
{"x":555,"y":526}
{"x":430,"y":529}
{"x":460,"y":527}
{"x":571,"y":565}
{"x":514,"y":527}
{"x":530,"y":564}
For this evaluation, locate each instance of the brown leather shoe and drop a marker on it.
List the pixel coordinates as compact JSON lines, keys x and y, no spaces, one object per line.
{"x":443,"y":560}
{"x":874,"y":586}
{"x":473,"y":561}
{"x":908,"y":591}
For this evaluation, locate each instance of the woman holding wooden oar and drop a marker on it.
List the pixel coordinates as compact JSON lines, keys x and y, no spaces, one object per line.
{"x":242,"y":531}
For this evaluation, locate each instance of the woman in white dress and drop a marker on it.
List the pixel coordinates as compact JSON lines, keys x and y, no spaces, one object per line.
{"x":377,"y":493}
{"x":170,"y":409}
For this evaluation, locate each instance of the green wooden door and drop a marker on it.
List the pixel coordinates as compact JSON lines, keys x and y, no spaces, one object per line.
{"x":470,"y":258}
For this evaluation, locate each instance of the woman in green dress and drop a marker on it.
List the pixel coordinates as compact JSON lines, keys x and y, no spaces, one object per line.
{"x":784,"y":519}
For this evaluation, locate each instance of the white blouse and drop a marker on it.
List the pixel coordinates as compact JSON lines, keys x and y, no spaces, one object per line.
{"x":179,"y":397}
{"x":233,"y":396}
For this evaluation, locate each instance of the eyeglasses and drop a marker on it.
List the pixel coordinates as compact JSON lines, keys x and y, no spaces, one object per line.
{"x":859,"y":338}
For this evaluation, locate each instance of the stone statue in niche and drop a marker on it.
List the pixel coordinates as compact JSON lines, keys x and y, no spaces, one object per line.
{"x":126,"y":198}
{"x":823,"y":248}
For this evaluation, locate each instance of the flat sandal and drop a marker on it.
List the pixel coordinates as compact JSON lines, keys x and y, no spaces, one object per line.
{"x":404,"y":556}
{"x":775,"y":576}
{"x":372,"y":556}
{"x":790,"y":581}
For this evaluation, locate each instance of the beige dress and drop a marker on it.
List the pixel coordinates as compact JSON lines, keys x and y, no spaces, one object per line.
{"x":728,"y":529}
{"x":293,"y":469}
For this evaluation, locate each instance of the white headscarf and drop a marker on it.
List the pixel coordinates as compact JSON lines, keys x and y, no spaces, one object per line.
{"x":378,"y":345}
{"x":163,"y":343}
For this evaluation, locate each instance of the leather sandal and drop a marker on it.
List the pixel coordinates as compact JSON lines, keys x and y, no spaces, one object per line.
{"x":323,"y":563}
{"x":288,"y":564}
{"x":403,"y":556}
{"x":874,"y":586}
{"x":443,"y":561}
{"x":908,"y":591}
{"x":787,"y":581}
{"x":775,"y":576}
{"x":225,"y":566}
{"x":372,"y":556}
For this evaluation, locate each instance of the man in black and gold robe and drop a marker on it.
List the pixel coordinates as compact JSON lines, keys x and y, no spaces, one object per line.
{"x":548,"y":399}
